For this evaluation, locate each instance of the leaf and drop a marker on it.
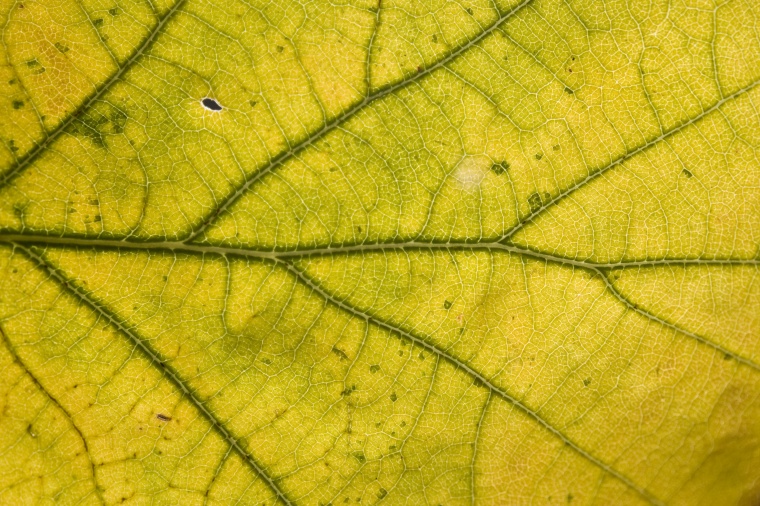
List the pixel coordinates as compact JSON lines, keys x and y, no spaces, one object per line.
{"x":492,"y":252}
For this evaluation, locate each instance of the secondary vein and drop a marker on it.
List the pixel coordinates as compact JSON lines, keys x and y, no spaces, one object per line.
{"x":169,"y":372}
{"x":210,"y":218}
{"x":40,"y":148}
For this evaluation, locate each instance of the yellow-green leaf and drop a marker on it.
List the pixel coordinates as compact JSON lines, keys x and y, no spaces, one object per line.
{"x":380,"y":251}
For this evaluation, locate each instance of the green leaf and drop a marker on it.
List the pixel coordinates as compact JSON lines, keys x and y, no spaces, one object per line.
{"x":409,"y":252}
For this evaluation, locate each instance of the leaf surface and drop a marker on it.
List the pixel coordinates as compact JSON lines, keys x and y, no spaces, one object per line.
{"x":408,"y":252}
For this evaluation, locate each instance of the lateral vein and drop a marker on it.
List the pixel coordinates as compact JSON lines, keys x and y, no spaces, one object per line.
{"x":169,"y":372}
{"x":40,"y":148}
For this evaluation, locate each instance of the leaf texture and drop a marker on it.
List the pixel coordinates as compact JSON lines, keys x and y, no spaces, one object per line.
{"x":363,"y":251}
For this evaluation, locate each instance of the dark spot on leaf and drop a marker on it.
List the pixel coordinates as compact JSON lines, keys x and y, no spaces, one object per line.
{"x":555,"y":147}
{"x":163,"y":417}
{"x":280,"y":49}
{"x":382,"y":493}
{"x":446,"y":304}
{"x":568,"y":91}
{"x":97,"y":218}
{"x":435,"y":38}
{"x":586,"y":382}
{"x":570,"y":70}
{"x":114,"y":11}
{"x":341,"y":355}
{"x":12,"y":145}
{"x":500,"y":168}
{"x":35,"y":65}
{"x":422,"y":356}
{"x":12,"y":82}
{"x":360,"y":457}
{"x":403,"y":424}
{"x":98,"y":122}
{"x":539,"y":156}
{"x":211,"y":104}
{"x":534,"y":201}
{"x":18,"y":104}
{"x":686,"y":173}
{"x":374,"y":368}
{"x":98,"y":22}
{"x":727,"y":356}
{"x":400,"y":353}
{"x":469,"y":11}
{"x":394,"y":397}
{"x":569,"y":498}
{"x":253,"y":103}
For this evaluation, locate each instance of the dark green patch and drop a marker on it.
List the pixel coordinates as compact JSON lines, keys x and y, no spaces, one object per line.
{"x":500,"y":168}
{"x":568,"y":91}
{"x":534,"y":201}
{"x":446,"y":304}
{"x":12,"y":145}
{"x":394,"y":397}
{"x":280,"y":49}
{"x":98,"y":22}
{"x":360,"y":457}
{"x":555,"y":147}
{"x":341,"y":355}
{"x":586,"y":382}
{"x":422,"y":356}
{"x":253,"y":103}
{"x":98,"y":122}
{"x":435,"y":38}
{"x":569,"y":498}
{"x":469,"y":11}
{"x":727,"y":356}
{"x":18,"y":104}
{"x":686,"y":173}
{"x":374,"y":368}
{"x":35,"y":66}
{"x":382,"y":493}
{"x":539,"y":156}
{"x":114,"y":11}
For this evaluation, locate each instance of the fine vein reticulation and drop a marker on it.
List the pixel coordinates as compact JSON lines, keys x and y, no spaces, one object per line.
{"x":34,"y":246}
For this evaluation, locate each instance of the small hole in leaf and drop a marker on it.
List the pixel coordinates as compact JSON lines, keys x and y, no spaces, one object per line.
{"x":211,"y":104}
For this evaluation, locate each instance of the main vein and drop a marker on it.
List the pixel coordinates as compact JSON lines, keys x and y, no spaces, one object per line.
{"x":597,"y":268}
{"x":169,"y":372}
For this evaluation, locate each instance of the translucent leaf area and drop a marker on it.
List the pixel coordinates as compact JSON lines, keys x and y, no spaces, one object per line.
{"x":409,"y":252}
